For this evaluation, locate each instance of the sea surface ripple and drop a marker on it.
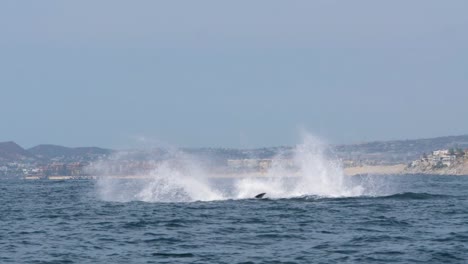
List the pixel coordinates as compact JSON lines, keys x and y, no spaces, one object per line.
{"x":425,"y":221}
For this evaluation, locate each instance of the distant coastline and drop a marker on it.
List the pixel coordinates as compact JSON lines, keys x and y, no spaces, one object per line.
{"x":440,"y":156}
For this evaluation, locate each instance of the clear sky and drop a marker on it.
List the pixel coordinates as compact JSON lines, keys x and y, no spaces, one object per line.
{"x":231,"y":73}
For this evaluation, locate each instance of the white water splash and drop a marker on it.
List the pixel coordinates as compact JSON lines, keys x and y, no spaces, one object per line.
{"x":308,"y":172}
{"x":169,"y":183}
{"x":178,"y":179}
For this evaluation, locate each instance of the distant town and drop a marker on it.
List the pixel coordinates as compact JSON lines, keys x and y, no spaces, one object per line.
{"x":443,"y":155}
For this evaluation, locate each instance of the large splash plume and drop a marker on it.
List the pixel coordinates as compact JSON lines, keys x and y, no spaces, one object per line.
{"x":176,"y":178}
{"x":306,"y":170}
{"x":309,"y":171}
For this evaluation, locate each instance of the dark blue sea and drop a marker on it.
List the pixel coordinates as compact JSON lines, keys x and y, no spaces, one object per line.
{"x":419,"y":219}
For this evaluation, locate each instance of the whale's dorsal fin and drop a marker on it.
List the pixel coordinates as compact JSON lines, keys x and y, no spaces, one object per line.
{"x":260,"y":195}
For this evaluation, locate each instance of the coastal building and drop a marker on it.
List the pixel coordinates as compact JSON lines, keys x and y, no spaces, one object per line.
{"x":441,"y":152}
{"x":249,"y":164}
{"x":438,"y":159}
{"x":443,"y":157}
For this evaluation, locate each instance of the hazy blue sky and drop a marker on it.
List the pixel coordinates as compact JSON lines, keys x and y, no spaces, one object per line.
{"x":231,"y":73}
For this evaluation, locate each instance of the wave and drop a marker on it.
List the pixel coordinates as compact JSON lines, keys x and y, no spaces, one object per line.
{"x":414,"y":196}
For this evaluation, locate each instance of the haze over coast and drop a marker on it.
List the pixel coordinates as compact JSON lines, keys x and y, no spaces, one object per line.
{"x":380,"y":157}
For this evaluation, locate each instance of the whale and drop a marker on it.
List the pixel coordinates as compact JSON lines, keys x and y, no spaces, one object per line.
{"x":260,"y":195}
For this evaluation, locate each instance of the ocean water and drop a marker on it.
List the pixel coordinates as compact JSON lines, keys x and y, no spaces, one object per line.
{"x":406,"y":219}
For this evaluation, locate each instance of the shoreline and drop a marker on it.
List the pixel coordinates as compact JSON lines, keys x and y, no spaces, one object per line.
{"x":381,"y":170}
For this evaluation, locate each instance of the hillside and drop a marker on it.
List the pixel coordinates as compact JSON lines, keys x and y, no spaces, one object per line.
{"x":369,"y":153}
{"x":399,"y":151}
{"x":53,"y":151}
{"x":10,"y":152}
